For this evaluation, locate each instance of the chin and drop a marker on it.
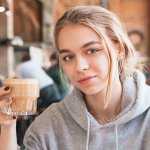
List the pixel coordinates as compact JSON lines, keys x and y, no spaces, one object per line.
{"x":91,"y":91}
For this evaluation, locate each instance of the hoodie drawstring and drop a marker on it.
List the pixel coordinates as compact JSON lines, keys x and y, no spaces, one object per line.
{"x":116,"y":135}
{"x":88,"y":133}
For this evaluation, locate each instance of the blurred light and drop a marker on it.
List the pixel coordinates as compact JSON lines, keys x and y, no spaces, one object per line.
{"x":8,"y":12}
{"x":17,"y":41}
{"x":2,"y":8}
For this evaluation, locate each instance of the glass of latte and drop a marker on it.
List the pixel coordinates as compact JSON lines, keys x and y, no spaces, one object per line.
{"x":24,"y":94}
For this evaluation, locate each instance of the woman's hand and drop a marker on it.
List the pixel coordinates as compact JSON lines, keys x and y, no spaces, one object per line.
{"x":8,"y":140}
{"x":5,"y":119}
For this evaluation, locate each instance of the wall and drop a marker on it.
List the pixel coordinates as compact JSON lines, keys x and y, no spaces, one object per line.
{"x":3,"y":49}
{"x":62,"y":5}
{"x":28,"y":20}
{"x":135,"y":14}
{"x":3,"y":26}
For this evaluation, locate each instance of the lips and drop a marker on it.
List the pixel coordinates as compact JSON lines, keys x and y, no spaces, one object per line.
{"x":86,"y":79}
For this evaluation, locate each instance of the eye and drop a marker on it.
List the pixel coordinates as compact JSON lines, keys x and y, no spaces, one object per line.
{"x":67,"y":58}
{"x":92,"y":51}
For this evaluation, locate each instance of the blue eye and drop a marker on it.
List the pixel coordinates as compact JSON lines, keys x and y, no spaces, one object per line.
{"x":92,"y":51}
{"x":67,"y":58}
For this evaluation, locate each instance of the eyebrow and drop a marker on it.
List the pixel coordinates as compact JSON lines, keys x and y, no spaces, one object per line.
{"x":83,"y":46}
{"x":90,"y":43}
{"x":64,"y":51}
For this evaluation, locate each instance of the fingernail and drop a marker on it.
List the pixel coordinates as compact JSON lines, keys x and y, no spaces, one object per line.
{"x":14,"y":117}
{"x":7,"y":88}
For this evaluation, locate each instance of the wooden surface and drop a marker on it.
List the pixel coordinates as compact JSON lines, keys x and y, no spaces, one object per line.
{"x":28,"y":20}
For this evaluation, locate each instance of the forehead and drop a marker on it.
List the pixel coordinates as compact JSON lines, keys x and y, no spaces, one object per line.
{"x":74,"y":35}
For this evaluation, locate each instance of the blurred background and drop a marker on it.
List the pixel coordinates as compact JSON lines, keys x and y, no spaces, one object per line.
{"x":27,"y":25}
{"x":26,"y":30}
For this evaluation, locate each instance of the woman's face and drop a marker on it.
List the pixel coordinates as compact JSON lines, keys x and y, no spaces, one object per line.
{"x":84,"y":58}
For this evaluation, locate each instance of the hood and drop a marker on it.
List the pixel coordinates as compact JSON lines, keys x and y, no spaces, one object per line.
{"x":135,"y":100}
{"x":137,"y":94}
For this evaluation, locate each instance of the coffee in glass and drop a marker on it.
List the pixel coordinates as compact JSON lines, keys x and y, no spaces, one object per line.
{"x":24,"y":94}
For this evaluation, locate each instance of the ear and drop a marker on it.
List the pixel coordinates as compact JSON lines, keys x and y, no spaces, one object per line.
{"x":120,"y":50}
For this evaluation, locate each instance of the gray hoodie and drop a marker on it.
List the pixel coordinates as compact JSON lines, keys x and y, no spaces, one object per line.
{"x":68,"y":125}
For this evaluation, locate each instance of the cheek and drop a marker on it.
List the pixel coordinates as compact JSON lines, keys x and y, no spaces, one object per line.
{"x":102,"y":66}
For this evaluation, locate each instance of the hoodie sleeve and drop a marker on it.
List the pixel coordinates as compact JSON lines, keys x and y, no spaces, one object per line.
{"x":32,"y":139}
{"x":41,"y":135}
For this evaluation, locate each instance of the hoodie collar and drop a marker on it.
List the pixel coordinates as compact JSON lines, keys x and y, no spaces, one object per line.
{"x":136,"y":92}
{"x":134,"y":101}
{"x":76,"y":107}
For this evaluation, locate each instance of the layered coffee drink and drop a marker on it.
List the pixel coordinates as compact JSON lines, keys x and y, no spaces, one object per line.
{"x":24,"y":94}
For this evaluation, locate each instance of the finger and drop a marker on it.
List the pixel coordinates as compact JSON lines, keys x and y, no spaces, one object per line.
{"x":4,"y":90}
{"x":5,"y":102}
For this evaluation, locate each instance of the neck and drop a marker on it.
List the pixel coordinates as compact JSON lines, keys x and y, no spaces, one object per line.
{"x":96,"y":104}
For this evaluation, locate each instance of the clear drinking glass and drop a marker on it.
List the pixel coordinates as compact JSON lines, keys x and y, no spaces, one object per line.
{"x":24,"y":94}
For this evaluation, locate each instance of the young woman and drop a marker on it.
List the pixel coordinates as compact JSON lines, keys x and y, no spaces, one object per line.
{"x":109,"y":106}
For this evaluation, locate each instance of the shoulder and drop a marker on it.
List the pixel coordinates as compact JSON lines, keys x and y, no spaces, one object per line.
{"x":54,"y":110}
{"x":58,"y":115}
{"x":24,"y":64}
{"x":43,"y":127}
{"x":49,"y":117}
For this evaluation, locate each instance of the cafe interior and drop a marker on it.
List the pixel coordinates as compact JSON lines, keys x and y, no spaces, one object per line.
{"x":26,"y":27}
{"x":30,"y":23}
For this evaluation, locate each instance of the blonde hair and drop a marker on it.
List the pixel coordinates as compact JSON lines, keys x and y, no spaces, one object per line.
{"x":108,"y":26}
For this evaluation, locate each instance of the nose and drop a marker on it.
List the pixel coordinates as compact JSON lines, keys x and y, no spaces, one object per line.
{"x":82,"y":65}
